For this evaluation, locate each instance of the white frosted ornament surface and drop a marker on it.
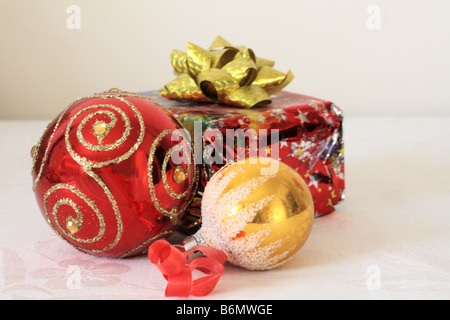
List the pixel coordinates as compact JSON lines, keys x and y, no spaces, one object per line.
{"x":224,"y":220}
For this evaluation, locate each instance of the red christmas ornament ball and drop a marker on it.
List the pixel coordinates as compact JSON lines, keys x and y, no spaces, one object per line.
{"x":113,"y":173}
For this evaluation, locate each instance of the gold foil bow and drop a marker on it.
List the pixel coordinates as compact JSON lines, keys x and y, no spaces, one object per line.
{"x":224,"y":74}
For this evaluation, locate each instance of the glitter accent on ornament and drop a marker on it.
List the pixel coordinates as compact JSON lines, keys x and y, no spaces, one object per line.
{"x":72,"y":225}
{"x":161,"y":235}
{"x":172,"y":213}
{"x":33,"y":152}
{"x":99,"y":128}
{"x":167,"y":157}
{"x":125,"y":155}
{"x":79,"y":220}
{"x":179,"y":176}
{"x":258,"y":220}
{"x":36,"y":149}
{"x":44,"y":159}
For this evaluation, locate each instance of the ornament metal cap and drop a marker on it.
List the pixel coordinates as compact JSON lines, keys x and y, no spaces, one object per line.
{"x":190,"y":242}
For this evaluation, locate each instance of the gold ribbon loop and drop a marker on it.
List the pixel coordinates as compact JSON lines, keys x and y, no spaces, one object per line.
{"x":183,"y":88}
{"x":179,"y":61}
{"x":243,"y":70}
{"x":222,"y":57}
{"x":272,"y":80}
{"x":247,"y":97}
{"x":216,"y":84}
{"x":246,"y":54}
{"x":198,"y":59}
{"x":225,"y":74}
{"x":261,"y":62}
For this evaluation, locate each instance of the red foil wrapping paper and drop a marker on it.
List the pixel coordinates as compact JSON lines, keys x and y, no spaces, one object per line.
{"x":305,"y":133}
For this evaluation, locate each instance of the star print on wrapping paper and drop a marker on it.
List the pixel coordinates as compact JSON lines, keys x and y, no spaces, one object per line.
{"x":314,"y":180}
{"x":302,"y":117}
{"x":283,"y":144}
{"x":301,"y":150}
{"x":298,"y":151}
{"x":261,"y":118}
{"x":330,"y":203}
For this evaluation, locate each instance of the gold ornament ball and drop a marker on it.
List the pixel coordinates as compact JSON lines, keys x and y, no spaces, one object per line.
{"x":259,"y":211}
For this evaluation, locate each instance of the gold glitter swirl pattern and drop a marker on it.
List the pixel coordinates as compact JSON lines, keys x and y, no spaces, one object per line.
{"x":44,"y":158}
{"x":35,"y":149}
{"x":169,"y":190}
{"x":93,"y":164}
{"x":161,"y":235}
{"x":97,"y":135}
{"x":115,"y":209}
{"x":112,"y":93}
{"x":172,"y":213}
{"x":88,"y":164}
{"x":74,"y":223}
{"x":77,"y":210}
{"x":108,"y":126}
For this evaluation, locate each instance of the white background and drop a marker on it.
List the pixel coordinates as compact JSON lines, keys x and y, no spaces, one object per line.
{"x":400,"y":68}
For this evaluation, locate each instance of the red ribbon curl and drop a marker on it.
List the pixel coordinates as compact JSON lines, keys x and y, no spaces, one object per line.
{"x":176,"y":266}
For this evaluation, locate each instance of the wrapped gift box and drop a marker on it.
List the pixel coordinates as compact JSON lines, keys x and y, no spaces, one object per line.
{"x":301,"y":131}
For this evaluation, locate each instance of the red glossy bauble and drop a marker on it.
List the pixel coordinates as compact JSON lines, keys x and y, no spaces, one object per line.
{"x":113,"y":173}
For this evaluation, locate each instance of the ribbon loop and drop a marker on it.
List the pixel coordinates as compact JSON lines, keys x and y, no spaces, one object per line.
{"x":180,"y":284}
{"x":176,"y":267}
{"x":168,"y":259}
{"x":222,"y":57}
{"x":179,"y":61}
{"x":216,"y":83}
{"x":242,"y":69}
{"x":271,"y":80}
{"x":184,"y":87}
{"x":198,"y":59}
{"x":205,"y":285}
{"x":224,"y":74}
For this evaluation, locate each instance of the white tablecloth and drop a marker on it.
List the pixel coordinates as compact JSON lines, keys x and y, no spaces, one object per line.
{"x":390,"y":239}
